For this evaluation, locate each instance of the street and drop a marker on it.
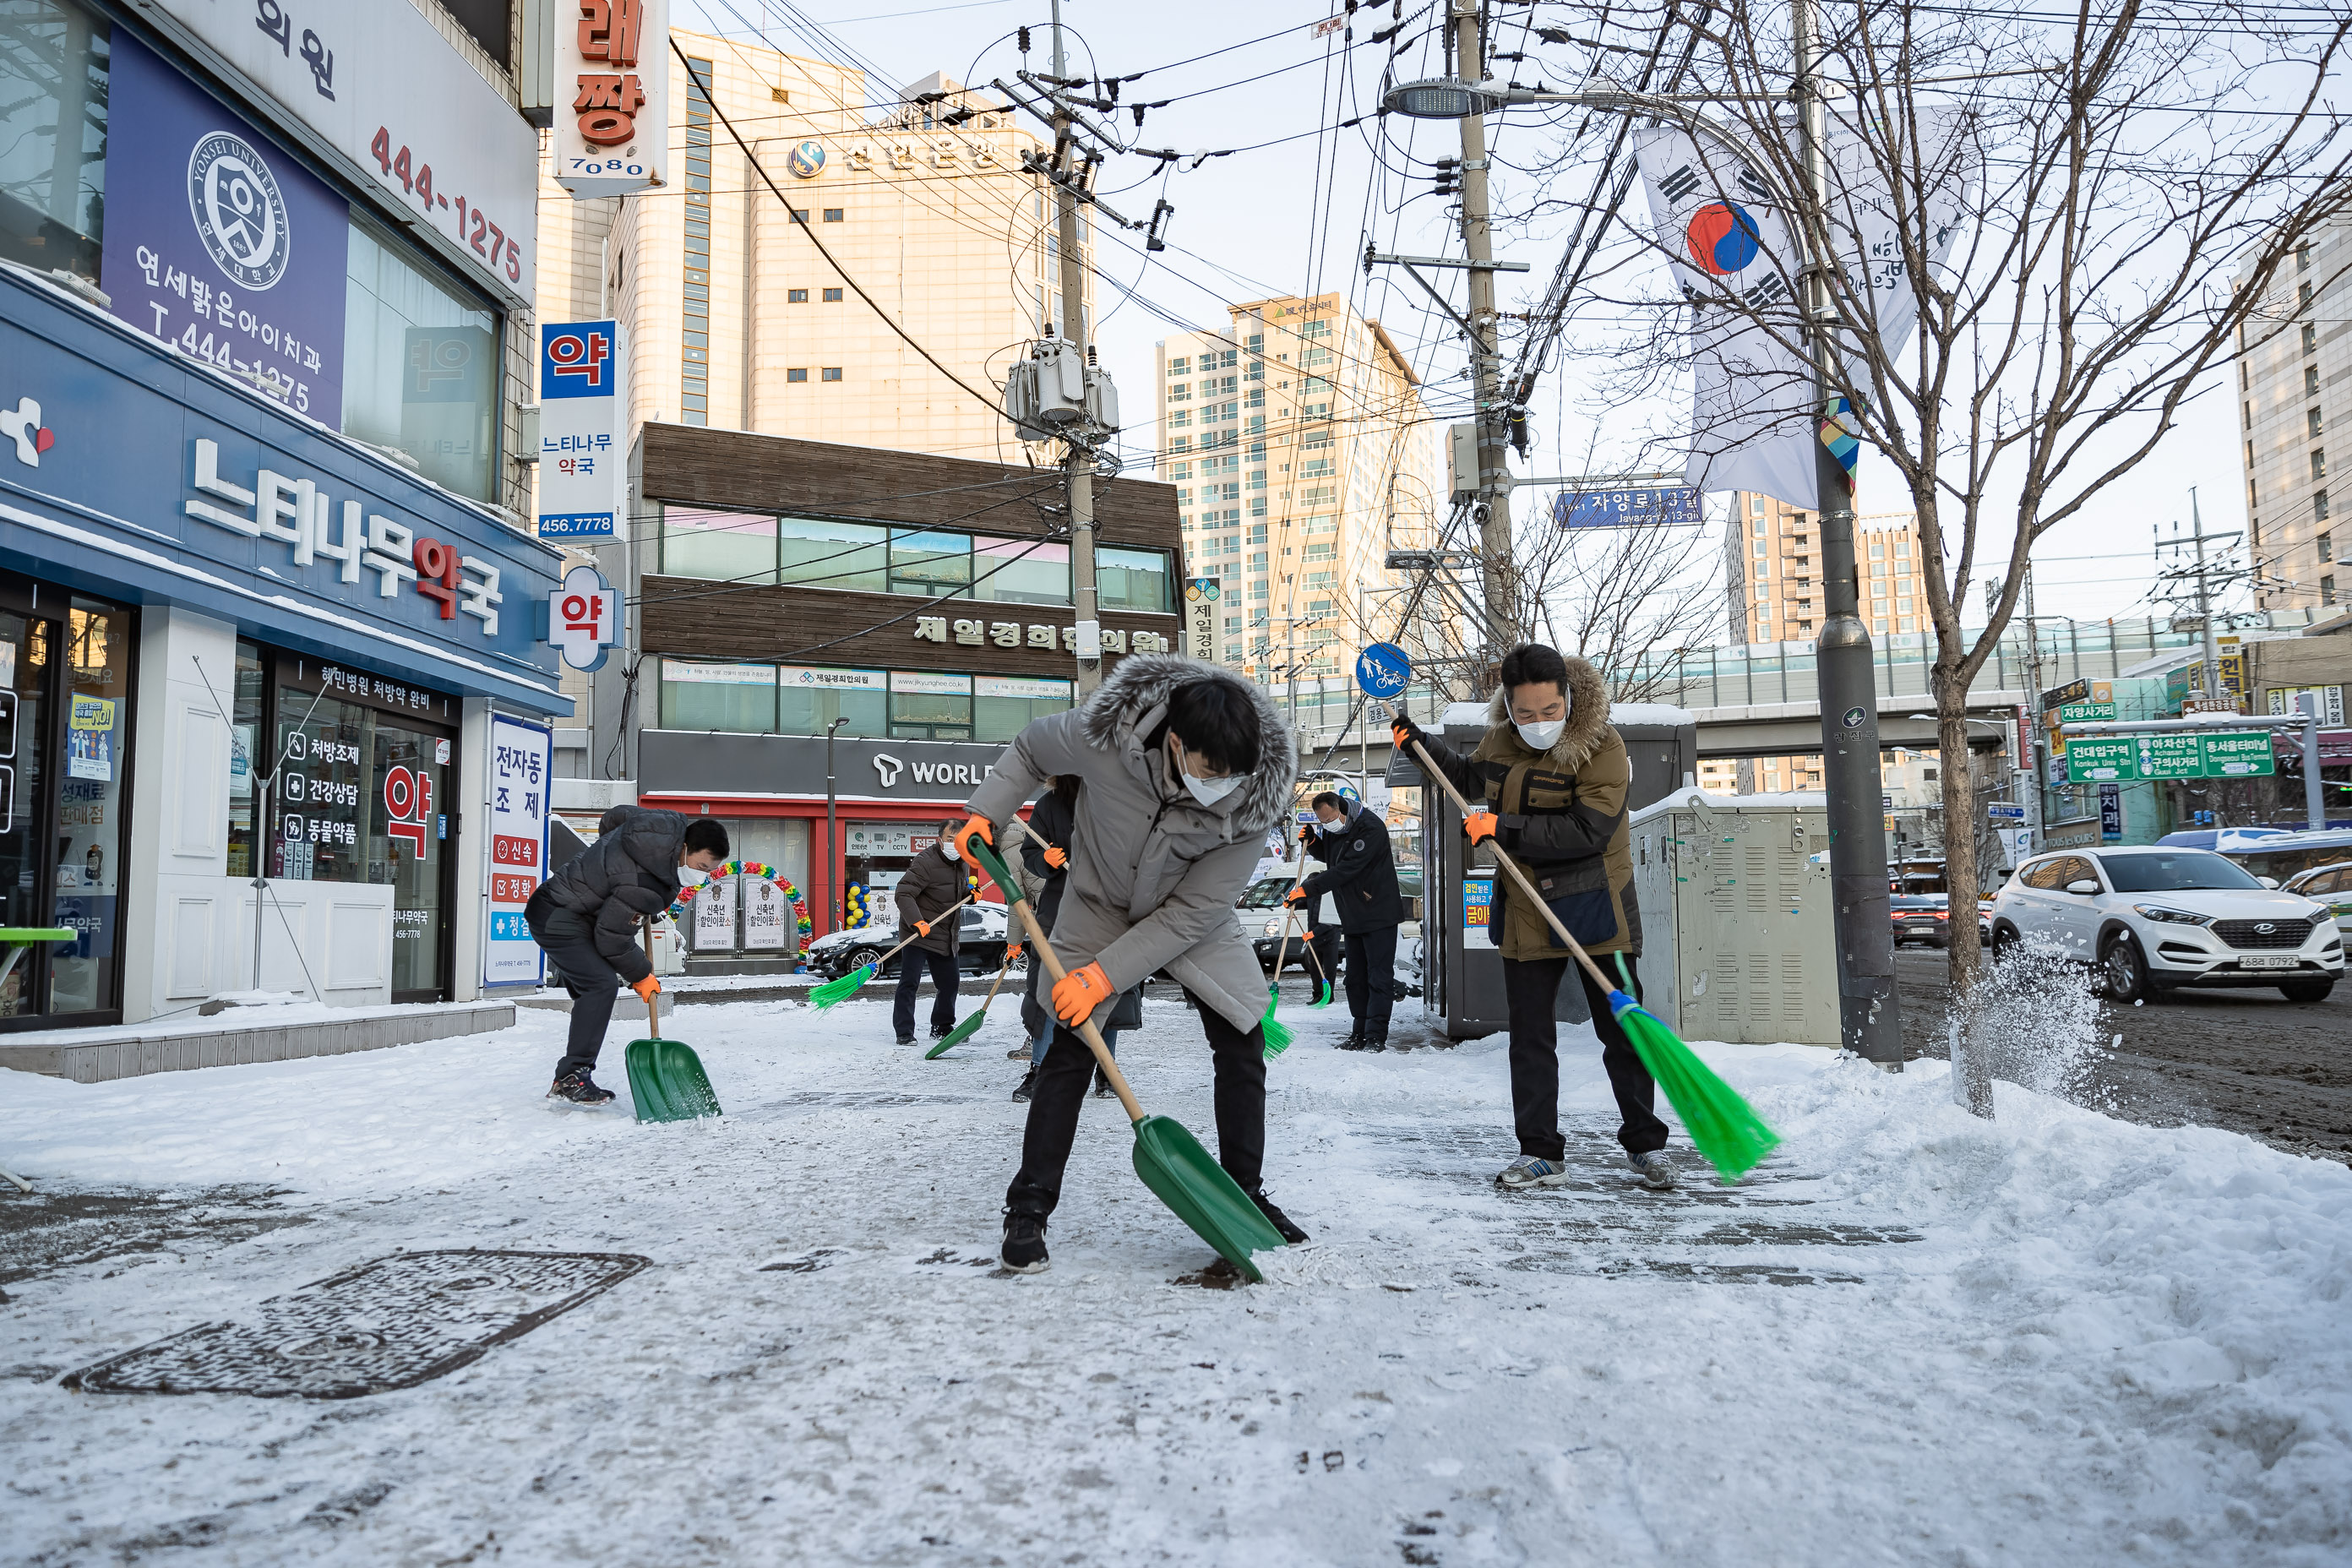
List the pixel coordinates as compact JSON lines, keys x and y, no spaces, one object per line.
{"x":780,"y":1335}
{"x":2249,"y":1061}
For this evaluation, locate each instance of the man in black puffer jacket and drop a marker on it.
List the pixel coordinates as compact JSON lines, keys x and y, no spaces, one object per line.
{"x":1359,"y":877}
{"x":584,"y":918}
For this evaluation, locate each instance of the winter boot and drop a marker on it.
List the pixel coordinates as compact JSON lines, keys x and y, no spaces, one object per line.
{"x":1028,"y":1083}
{"x":1102,"y":1085}
{"x":1376,"y":1036}
{"x":1024,"y":1245}
{"x":578,"y":1087}
{"x":1355,"y":1040}
{"x":906,"y":1039}
{"x":1279,"y":1220}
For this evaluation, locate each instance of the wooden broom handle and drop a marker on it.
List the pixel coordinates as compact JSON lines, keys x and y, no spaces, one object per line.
{"x":653,"y":1007}
{"x":1429,"y":767}
{"x":1086,"y":1030}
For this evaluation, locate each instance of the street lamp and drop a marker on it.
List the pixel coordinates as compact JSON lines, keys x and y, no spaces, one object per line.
{"x":1444,"y":97}
{"x":833,"y":832}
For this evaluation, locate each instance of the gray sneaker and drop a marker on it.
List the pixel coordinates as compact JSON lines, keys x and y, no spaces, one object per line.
{"x":1526,"y":1170}
{"x":1656,"y":1172}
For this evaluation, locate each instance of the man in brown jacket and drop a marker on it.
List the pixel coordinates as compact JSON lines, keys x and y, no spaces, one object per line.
{"x":1554,"y":778}
{"x":932,"y":886}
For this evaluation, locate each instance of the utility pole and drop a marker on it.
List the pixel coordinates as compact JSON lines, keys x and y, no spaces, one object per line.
{"x":1493,"y":503}
{"x":1079,"y":463}
{"x":2034,"y":766}
{"x":1869,"y":1005}
{"x":2205,"y":601}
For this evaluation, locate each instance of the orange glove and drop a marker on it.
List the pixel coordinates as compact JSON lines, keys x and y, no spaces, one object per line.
{"x":1404,"y":731}
{"x":1307,"y":836}
{"x":1056,"y":857}
{"x":922,"y":928}
{"x":1078,"y":994}
{"x":645,"y":988}
{"x":975,"y":827}
{"x":1295,"y":896}
{"x":1480,"y":825}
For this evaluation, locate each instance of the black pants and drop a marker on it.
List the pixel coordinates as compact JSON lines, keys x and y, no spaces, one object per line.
{"x":586,"y":974}
{"x":945,"y":978}
{"x":1324,"y":951}
{"x":1530,"y":989}
{"x":1055,"y":1099}
{"x":1371,"y":977}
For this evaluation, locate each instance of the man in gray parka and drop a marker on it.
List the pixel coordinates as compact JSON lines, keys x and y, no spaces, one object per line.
{"x":1185,"y":765}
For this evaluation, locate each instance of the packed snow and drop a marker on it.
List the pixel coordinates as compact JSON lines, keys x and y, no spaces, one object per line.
{"x":1912,"y":1337}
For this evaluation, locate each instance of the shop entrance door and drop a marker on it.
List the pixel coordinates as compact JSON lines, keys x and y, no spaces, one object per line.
{"x":64,"y":731}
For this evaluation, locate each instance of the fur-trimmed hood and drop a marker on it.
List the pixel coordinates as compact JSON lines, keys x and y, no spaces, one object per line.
{"x":1588,"y":718}
{"x":1133,"y":698}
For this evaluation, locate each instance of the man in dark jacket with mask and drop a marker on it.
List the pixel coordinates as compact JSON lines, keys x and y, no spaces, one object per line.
{"x":927,"y":896}
{"x":1185,"y":765}
{"x":584,"y":918}
{"x":1359,"y":881}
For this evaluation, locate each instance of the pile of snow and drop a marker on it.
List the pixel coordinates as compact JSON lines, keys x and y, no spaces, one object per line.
{"x":1912,"y":1337}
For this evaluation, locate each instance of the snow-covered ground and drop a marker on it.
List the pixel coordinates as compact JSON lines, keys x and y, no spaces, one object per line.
{"x":1911,"y":1337}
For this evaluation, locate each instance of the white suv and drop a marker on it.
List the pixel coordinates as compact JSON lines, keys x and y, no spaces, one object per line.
{"x":2156,"y":918}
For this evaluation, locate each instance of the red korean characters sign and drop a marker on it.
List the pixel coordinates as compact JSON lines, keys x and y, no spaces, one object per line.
{"x":612,"y":69}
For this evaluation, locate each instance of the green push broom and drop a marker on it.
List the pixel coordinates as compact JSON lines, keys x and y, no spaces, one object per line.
{"x":1277,"y":1035}
{"x":841,"y":990}
{"x":1168,"y":1158}
{"x":1721,"y":1126}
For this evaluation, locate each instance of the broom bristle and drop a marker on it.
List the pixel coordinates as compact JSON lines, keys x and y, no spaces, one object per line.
{"x":1277,"y":1035}
{"x":833,"y":990}
{"x":1721,"y":1125}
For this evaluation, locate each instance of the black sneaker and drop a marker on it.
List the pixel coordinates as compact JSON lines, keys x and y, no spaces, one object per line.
{"x":906,"y":1039}
{"x":578,"y":1087}
{"x":1279,"y":1220}
{"x":1024,"y":1245}
{"x":1028,"y":1083}
{"x":1103,"y":1090}
{"x":1377,"y":1037}
{"x":1355,"y":1040}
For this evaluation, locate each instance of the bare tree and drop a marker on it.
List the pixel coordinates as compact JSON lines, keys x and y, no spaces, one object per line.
{"x":2059,"y":193}
{"x":1633,"y":601}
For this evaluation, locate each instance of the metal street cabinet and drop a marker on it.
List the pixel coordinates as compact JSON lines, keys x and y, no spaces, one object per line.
{"x":1463,"y":970}
{"x":1737,"y":938}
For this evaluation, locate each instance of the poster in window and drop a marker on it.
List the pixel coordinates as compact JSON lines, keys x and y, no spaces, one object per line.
{"x":89,"y":739}
{"x":714,"y":915}
{"x":768,"y":923}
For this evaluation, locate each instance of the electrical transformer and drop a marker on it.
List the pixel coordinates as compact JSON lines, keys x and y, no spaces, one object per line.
{"x":1738,"y":941}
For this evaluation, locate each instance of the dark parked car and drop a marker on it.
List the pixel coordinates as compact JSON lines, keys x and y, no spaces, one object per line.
{"x":979,"y":948}
{"x":1922,"y":917}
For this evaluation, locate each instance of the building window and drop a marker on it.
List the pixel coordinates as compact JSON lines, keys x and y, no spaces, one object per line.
{"x":2311,"y":423}
{"x":832,"y":295}
{"x":796,"y":296}
{"x":832,"y":215}
{"x":2319,"y":465}
{"x":2319,"y":506}
{"x":2327,"y":543}
{"x":694,"y":386}
{"x":797,"y":373}
{"x":2327,"y":590}
{"x":1183,"y":365}
{"x":708,"y":694}
{"x":729,"y":546}
{"x":1003,"y":706}
{"x":831,"y":373}
{"x":396,"y":305}
{"x":2303,"y":258}
{"x":799,"y":214}
{"x":53,"y":73}
{"x":2310,"y":339}
{"x":926,"y":705}
{"x":2310,"y":382}
{"x":2303,"y":294}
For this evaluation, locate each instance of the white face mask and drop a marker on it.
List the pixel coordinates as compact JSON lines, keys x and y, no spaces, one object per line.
{"x":947,"y":847}
{"x":1542,"y":737}
{"x":1208,"y":792}
{"x":1331,"y":827}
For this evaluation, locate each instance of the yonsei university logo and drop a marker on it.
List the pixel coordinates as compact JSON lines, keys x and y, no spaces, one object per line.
{"x":240,"y":211}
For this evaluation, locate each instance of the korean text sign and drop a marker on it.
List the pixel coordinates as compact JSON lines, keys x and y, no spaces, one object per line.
{"x":519,"y":759}
{"x":582,"y":407}
{"x":612,"y":96}
{"x":219,"y":242}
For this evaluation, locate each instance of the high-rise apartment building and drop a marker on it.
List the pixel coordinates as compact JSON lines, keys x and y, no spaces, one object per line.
{"x":1775,"y":566}
{"x":746,"y":311}
{"x":1301,"y":453}
{"x":2295,"y":384}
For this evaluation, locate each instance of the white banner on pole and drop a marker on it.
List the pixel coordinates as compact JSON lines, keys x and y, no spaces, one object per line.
{"x":520,"y":766}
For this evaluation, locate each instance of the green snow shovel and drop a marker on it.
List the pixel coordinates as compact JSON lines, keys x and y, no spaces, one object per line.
{"x":841,"y":990}
{"x":666,"y":1077}
{"x":1168,"y":1157}
{"x":1721,"y":1125}
{"x":971,"y":1026}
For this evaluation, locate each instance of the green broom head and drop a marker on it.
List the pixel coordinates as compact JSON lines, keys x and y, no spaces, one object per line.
{"x":1322,"y":992}
{"x":1721,"y":1126}
{"x":1277,"y":1036}
{"x":833,"y":990}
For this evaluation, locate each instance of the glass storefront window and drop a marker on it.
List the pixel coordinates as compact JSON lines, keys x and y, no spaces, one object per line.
{"x":704,"y":694}
{"x":89,"y":806}
{"x":1132,"y":580}
{"x":821,"y":554}
{"x":808,"y":701}
{"x":727,"y":546}
{"x":929,"y":563}
{"x":24,"y":727}
{"x":244,"y":758}
{"x":420,"y":366}
{"x":925,"y":706}
{"x":53,"y":85}
{"x":1021,"y":571}
{"x":1003,"y":705}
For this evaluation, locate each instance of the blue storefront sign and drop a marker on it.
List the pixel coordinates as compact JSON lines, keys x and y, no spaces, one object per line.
{"x":218,"y":242}
{"x":1626,"y":509}
{"x":146,"y":475}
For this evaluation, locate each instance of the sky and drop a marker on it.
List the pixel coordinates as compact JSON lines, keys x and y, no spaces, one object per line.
{"x":1288,"y":209}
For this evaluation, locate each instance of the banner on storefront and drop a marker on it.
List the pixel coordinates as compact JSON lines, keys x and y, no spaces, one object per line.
{"x":520,"y":764}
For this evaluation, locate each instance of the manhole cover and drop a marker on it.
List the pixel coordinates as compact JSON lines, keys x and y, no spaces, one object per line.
{"x":392,"y":1324}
